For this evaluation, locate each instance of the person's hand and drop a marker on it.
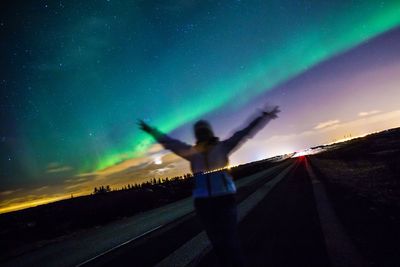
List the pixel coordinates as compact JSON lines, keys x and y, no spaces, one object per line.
{"x":271,"y":113}
{"x":144,"y":126}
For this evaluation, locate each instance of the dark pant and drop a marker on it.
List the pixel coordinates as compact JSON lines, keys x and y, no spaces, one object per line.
{"x":219,"y":217}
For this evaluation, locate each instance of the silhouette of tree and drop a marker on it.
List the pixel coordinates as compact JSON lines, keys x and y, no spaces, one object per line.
{"x":102,"y":189}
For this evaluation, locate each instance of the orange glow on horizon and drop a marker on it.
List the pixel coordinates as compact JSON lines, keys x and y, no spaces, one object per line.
{"x":88,"y":188}
{"x":33,"y":203}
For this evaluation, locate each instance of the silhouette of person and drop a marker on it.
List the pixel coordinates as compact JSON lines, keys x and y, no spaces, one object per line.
{"x":214,"y":192}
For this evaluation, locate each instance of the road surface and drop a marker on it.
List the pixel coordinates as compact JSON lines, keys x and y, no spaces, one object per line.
{"x":285,"y":218}
{"x":86,"y":247}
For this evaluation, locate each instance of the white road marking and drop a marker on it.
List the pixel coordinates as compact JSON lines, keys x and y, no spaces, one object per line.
{"x":192,"y":251}
{"x":240,"y":183}
{"x":120,"y":245}
{"x":341,"y":250}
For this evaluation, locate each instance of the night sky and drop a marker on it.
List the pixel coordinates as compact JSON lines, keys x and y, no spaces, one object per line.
{"x":76,"y":75}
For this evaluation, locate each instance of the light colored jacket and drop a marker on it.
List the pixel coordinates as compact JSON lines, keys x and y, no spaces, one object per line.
{"x":208,"y":184}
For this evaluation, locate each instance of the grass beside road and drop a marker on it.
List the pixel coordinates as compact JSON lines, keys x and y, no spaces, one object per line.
{"x":362,"y":178}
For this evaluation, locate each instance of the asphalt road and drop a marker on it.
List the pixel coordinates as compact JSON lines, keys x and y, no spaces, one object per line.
{"x":154,"y":247}
{"x":295,"y":225}
{"x":283,"y":229}
{"x":285,"y":220}
{"x":142,"y":231}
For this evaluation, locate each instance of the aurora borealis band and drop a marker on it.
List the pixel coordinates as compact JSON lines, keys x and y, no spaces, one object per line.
{"x":77,"y":74}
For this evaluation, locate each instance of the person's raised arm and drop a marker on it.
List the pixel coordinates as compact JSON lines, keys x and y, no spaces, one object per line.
{"x":178,"y":147}
{"x":234,"y":142}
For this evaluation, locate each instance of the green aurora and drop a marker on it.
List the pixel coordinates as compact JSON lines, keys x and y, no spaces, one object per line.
{"x":92,"y":69}
{"x":318,"y":41}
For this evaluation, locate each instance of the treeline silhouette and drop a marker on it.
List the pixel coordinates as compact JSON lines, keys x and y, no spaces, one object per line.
{"x":102,"y":189}
{"x":149,"y":185}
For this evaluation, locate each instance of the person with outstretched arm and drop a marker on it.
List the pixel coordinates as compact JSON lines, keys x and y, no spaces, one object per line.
{"x":214,"y":192}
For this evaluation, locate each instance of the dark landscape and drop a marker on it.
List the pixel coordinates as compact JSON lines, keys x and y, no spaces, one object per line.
{"x":361,"y":177}
{"x":34,"y":227}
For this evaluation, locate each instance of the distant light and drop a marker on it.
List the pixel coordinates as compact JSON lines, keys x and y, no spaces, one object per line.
{"x":309,"y":151}
{"x":158,"y":160}
{"x":301,"y":153}
{"x":230,"y":166}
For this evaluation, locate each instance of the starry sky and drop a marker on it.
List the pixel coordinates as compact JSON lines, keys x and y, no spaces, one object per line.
{"x":76,"y":75}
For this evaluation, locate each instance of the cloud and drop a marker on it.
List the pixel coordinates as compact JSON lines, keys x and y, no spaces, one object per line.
{"x":41,"y":188}
{"x":9,"y":192}
{"x":155,"y":149}
{"x":134,"y":170}
{"x":326,"y":124}
{"x":359,"y":126}
{"x":55,"y":167}
{"x":367,"y":113}
{"x":267,"y":146}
